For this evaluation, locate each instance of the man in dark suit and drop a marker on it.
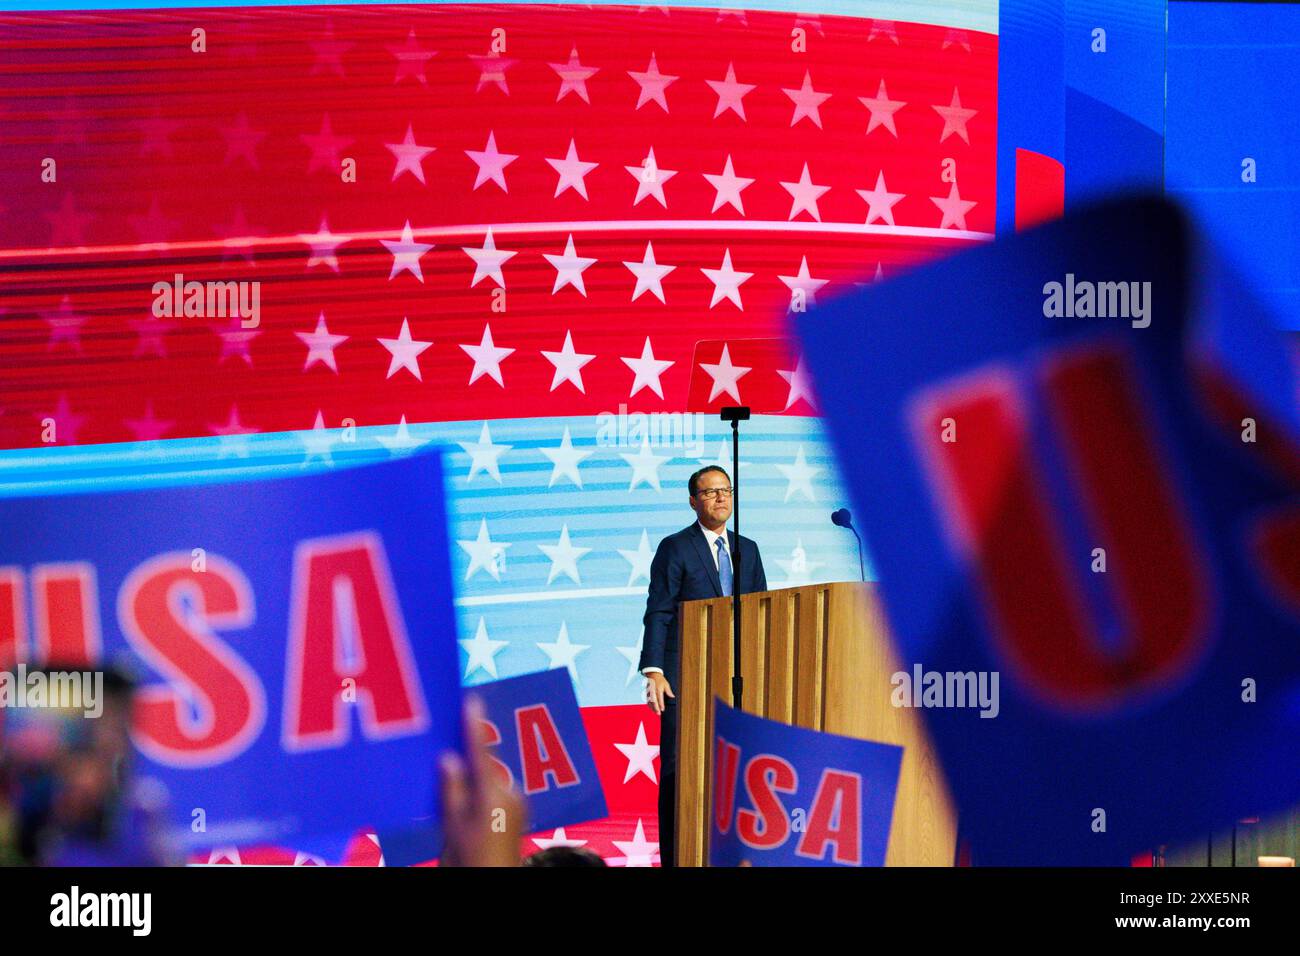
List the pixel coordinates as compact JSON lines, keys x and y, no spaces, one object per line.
{"x":693,"y":563}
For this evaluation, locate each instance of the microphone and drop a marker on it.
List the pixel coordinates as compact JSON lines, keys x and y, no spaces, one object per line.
{"x":842,"y":519}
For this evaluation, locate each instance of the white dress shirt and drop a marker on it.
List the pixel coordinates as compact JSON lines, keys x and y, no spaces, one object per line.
{"x":712,"y":538}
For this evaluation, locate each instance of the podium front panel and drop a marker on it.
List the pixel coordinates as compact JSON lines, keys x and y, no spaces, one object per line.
{"x":817,"y":657}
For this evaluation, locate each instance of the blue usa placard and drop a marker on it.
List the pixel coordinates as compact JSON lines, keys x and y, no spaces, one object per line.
{"x":294,"y":638}
{"x":789,"y":796}
{"x":540,"y":747}
{"x":1073,"y":453}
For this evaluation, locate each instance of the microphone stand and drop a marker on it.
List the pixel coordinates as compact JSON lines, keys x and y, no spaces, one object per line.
{"x":735,"y":414}
{"x":843,"y":519}
{"x":862,"y":568}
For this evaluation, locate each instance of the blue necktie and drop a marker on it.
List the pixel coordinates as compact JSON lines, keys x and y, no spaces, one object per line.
{"x":724,"y":566}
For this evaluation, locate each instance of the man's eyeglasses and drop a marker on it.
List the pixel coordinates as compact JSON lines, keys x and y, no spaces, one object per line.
{"x":708,"y":494}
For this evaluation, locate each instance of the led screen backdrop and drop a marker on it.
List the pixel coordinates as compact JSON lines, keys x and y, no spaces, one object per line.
{"x":1238,"y":177}
{"x":498,"y":228}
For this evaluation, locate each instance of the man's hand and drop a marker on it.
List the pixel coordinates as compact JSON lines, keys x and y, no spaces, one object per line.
{"x":656,"y":689}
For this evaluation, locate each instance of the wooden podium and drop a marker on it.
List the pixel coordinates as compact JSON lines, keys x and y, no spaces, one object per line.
{"x":817,"y":657}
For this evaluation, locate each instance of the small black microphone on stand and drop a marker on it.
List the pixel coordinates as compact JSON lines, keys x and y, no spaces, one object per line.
{"x":843,"y":519}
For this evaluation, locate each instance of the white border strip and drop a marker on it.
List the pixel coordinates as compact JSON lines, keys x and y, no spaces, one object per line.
{"x":523,"y":597}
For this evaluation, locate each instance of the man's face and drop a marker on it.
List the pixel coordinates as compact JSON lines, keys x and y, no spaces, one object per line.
{"x":713,"y":509}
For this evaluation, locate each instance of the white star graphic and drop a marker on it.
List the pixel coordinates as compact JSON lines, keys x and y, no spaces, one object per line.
{"x":66,"y":422}
{"x":730,"y":93}
{"x":150,"y":331}
{"x":799,"y":476}
{"x":883,"y":28}
{"x":484,"y":455}
{"x":150,"y":427}
{"x":729,"y":187}
{"x":639,"y":559}
{"x":235,"y":341}
{"x":647,"y":369}
{"x":882,"y":110}
{"x":572,"y":171}
{"x":726,"y":377}
{"x":232,"y":435}
{"x":317,"y":442}
{"x":878,"y":277}
{"x":645,"y":465}
{"x":807,"y":102}
{"x":558,"y":838}
{"x":482,"y":651}
{"x":411,"y":59}
{"x":405,"y":352}
{"x":803,"y":283}
{"x":409,"y":155}
{"x":406,"y":253}
{"x":321,"y":345}
{"x":401,"y":441}
{"x":568,"y":364}
{"x":324,"y":245}
{"x":638,"y":851}
{"x":328,"y":51}
{"x":726,"y":282}
{"x":65,"y":325}
{"x":236,"y":237}
{"x":650,"y":179}
{"x":955,"y":117}
{"x":488,"y":261}
{"x":649,"y":275}
{"x":491,"y":163}
{"x":954,"y":208}
{"x":564,"y":557}
{"x":484,"y":553}
{"x":573,"y":77}
{"x":640,"y":756}
{"x":569,"y":268}
{"x":798,"y":570}
{"x":228,"y":853}
{"x":487,"y":356}
{"x":811,"y":20}
{"x":563,"y":653}
{"x":653,"y":83}
{"x":956,"y":38}
{"x":565,"y":460}
{"x":492,"y":69}
{"x":325,"y":147}
{"x":800,"y":385}
{"x":805,"y":194}
{"x":633,"y":656}
{"x":880,"y":201}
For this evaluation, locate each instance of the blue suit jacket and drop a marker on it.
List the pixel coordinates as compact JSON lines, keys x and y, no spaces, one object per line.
{"x":683,"y":570}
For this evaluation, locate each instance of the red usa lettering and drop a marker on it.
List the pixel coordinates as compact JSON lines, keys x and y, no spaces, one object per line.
{"x":996,"y":509}
{"x":346,"y":643}
{"x":834,"y":820}
{"x":544,"y":758}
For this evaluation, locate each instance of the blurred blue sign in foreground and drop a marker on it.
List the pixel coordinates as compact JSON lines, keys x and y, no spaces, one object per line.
{"x":1075,"y":457}
{"x":295,"y":640}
